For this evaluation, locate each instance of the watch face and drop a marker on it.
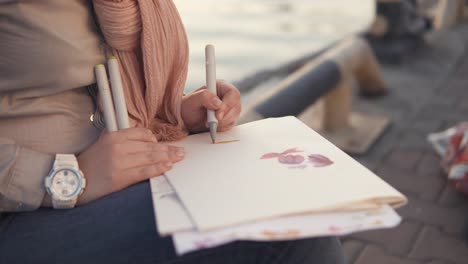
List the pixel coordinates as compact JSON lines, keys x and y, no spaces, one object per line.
{"x":65,"y":183}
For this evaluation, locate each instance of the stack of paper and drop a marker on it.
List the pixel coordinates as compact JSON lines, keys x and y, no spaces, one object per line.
{"x":273,"y":179}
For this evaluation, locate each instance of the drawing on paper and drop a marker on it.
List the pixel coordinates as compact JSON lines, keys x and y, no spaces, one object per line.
{"x":170,"y":195}
{"x":204,"y":243}
{"x":277,"y":235}
{"x":227,"y":141}
{"x":334,"y":229}
{"x":296,"y":159}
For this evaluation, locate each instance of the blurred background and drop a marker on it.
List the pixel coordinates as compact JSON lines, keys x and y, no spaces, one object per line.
{"x":258,"y":34}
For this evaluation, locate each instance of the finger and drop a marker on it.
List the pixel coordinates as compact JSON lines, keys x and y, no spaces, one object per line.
{"x":132,"y":147}
{"x":210,"y":100}
{"x":138,"y":174}
{"x":230,"y":97}
{"x":224,"y":86}
{"x":231,"y":115}
{"x":176,"y":154}
{"x":175,"y":148}
{"x":133,"y":134}
{"x":228,"y":93}
{"x":227,"y":127}
{"x":143,"y":159}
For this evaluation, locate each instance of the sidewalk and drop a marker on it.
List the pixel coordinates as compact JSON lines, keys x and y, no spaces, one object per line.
{"x":427,"y":93}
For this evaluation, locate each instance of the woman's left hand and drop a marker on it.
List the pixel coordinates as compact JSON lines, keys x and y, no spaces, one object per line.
{"x":227,"y":106}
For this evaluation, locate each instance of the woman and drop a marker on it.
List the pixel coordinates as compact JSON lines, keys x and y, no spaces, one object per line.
{"x":48,"y":106}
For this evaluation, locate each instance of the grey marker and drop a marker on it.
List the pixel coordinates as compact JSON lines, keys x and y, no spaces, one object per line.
{"x":211,"y":86}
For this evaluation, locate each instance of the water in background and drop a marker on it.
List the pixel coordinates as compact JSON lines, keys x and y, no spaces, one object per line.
{"x":252,"y":35}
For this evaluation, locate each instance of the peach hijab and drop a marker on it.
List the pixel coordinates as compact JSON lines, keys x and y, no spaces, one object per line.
{"x":150,"y":41}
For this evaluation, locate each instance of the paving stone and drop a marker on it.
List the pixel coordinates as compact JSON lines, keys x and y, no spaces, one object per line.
{"x":352,"y":249}
{"x":399,"y":111}
{"x":442,"y":102}
{"x":379,"y":150}
{"x":383,"y":146}
{"x":373,"y":254}
{"x":451,"y":196}
{"x":463,"y":105}
{"x":425,"y":186}
{"x":368,"y":163}
{"x":434,"y":244}
{"x":426,"y":126}
{"x":430,"y":165}
{"x":456,"y":90}
{"x":414,"y":140}
{"x":404,"y":158}
{"x":401,"y":80}
{"x":441,"y":113}
{"x":461,"y":71}
{"x":457,"y":83}
{"x":439,"y":262}
{"x":453,"y":220}
{"x":454,"y":120}
{"x":397,"y":241}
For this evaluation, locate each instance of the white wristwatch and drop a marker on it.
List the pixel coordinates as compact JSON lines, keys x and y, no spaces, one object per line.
{"x":65,"y":182}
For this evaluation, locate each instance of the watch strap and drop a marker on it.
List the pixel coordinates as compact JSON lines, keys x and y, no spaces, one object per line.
{"x":65,"y":161}
{"x":63,"y":204}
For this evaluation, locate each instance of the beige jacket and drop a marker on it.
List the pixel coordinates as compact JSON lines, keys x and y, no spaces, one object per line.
{"x":47,"y":52}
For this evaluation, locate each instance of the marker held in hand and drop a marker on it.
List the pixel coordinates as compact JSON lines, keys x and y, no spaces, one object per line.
{"x":106,"y":97}
{"x":118,"y":93}
{"x":210,"y":63}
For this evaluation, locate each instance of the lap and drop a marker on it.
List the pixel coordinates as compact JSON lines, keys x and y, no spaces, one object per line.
{"x":120,"y":228}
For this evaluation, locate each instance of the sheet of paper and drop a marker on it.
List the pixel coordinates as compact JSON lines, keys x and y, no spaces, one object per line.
{"x":173,"y":219}
{"x":278,"y":167}
{"x":297,"y":227}
{"x":170,"y":214}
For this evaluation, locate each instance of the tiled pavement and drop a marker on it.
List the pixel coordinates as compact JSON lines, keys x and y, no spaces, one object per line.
{"x":427,"y":93}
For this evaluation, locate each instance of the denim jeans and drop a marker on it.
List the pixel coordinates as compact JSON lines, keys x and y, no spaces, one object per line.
{"x":120,"y":228}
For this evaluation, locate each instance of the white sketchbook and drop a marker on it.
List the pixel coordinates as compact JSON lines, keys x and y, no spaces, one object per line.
{"x":277,"y":167}
{"x":289,"y":228}
{"x":172,"y":218}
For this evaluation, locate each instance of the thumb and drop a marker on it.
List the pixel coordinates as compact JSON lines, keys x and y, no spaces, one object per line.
{"x":208,"y":99}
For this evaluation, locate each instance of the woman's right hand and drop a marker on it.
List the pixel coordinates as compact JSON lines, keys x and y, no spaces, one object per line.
{"x":120,"y":159}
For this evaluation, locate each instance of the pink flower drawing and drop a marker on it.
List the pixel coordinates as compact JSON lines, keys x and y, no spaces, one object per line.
{"x":205,"y":243}
{"x":297,"y":159}
{"x":318,"y":160}
{"x":334,"y":229}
